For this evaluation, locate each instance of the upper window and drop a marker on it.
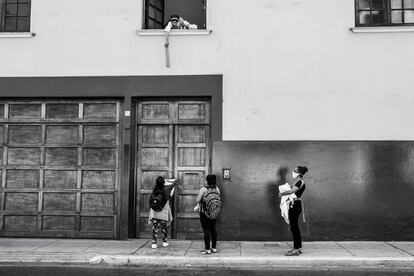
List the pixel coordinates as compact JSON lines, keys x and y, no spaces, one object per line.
{"x":158,"y":12}
{"x":15,"y":15}
{"x":384,"y":12}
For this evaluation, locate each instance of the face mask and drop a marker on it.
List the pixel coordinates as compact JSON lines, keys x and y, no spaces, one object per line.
{"x":295,"y":174}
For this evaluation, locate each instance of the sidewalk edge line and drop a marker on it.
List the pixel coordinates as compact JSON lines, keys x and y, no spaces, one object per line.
{"x":340,"y":245}
{"x":400,"y":249}
{"x":99,"y":242}
{"x":45,"y":245}
{"x":188,"y":248}
{"x":143,"y":245}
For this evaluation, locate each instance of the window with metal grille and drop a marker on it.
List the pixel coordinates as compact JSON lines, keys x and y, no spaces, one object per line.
{"x":370,"y":13}
{"x":157,"y":12}
{"x":15,"y":15}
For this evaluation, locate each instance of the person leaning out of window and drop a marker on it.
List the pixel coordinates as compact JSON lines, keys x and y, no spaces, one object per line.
{"x":177,"y":22}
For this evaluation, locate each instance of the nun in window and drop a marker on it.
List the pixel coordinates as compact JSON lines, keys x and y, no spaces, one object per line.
{"x":177,"y":22}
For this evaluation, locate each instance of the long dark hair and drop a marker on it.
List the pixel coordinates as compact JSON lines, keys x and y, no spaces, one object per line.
{"x":159,"y":185}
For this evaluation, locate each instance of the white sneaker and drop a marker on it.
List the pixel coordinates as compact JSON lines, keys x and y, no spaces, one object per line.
{"x":213,"y":250}
{"x":165,"y":244}
{"x":154,"y":245}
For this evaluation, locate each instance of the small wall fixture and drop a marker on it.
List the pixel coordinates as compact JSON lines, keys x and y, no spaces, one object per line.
{"x":226,"y":174}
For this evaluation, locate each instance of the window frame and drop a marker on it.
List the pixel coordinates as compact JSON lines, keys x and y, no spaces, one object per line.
{"x":3,"y":17}
{"x":387,"y":15}
{"x":144,"y":23}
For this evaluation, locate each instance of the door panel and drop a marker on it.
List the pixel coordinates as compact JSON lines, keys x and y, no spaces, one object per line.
{"x":156,"y":134}
{"x":191,"y":134}
{"x":192,"y":180}
{"x":192,"y":112}
{"x":25,"y":110}
{"x":155,"y":112}
{"x":157,"y":158}
{"x":173,"y":141}
{"x":191,"y":157}
{"x":60,"y":135}
{"x":189,"y":111}
{"x":68,"y":111}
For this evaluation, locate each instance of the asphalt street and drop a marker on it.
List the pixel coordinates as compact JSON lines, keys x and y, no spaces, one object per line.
{"x":70,"y":270}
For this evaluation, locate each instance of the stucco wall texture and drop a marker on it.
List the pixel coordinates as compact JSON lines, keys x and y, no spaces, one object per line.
{"x":354,"y":190}
{"x":297,"y":88}
{"x":284,"y":63}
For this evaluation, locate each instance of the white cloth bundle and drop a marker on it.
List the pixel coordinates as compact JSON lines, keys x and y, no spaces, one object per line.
{"x":285,"y":201}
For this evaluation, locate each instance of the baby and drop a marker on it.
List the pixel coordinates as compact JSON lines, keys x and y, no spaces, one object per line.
{"x":285,"y":201}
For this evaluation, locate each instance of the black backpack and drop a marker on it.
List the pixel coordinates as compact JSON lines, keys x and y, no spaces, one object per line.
{"x":157,"y":201}
{"x":212,"y":203}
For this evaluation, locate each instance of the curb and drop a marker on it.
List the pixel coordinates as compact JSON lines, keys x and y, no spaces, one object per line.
{"x":257,"y":262}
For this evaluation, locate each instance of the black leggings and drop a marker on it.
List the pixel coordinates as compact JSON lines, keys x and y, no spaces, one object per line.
{"x":294,"y":213}
{"x":209,"y":227}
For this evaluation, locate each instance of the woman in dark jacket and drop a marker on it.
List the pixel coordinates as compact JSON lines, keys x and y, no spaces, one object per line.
{"x":296,"y":208}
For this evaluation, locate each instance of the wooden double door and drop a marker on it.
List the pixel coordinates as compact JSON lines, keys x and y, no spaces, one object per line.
{"x":173,"y":140}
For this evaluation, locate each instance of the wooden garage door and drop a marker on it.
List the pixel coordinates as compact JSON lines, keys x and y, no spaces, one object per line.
{"x":173,"y":141}
{"x":59,"y":168}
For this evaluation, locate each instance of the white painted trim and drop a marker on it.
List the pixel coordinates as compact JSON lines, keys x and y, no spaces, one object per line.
{"x":160,"y":32}
{"x":16,"y":35}
{"x":391,"y":29}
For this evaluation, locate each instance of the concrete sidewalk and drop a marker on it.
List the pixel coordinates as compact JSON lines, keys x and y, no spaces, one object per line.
{"x":185,"y":253}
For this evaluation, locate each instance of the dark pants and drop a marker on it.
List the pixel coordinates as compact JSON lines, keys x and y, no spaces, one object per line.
{"x":209,"y":228}
{"x":294,"y":214}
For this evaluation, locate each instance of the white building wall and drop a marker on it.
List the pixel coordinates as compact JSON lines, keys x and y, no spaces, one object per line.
{"x":291,"y":69}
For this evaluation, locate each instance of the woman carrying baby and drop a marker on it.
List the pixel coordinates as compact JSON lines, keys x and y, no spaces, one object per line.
{"x":296,"y":208}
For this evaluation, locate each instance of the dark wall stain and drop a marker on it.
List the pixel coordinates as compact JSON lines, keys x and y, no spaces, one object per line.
{"x":355,"y":190}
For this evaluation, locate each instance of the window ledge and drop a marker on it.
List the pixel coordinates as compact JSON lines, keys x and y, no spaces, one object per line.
{"x":391,"y":29}
{"x":160,"y":32}
{"x":16,"y":35}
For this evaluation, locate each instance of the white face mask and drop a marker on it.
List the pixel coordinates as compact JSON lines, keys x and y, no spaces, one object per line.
{"x":294,"y":174}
